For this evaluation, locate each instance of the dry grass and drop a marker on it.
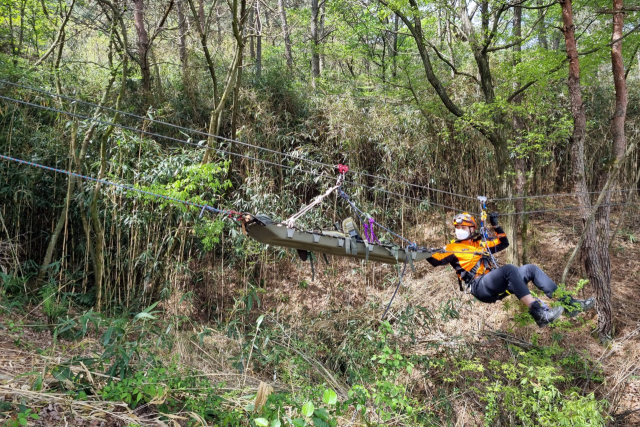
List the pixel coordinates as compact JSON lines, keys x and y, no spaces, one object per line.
{"x":352,"y":291}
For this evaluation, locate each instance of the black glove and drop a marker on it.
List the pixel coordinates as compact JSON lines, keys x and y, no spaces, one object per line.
{"x":493,"y":219}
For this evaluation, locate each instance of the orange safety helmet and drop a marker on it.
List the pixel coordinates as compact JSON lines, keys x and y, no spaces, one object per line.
{"x":464,"y":218}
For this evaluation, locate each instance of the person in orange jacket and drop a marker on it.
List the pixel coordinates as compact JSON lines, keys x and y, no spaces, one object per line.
{"x":471,"y":258}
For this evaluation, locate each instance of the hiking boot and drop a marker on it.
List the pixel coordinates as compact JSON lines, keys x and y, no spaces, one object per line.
{"x":576,"y":306}
{"x":542,"y":314}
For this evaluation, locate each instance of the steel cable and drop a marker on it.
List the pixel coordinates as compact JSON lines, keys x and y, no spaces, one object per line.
{"x":51,"y":94}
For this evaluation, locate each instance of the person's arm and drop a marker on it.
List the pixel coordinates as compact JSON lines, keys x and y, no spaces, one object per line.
{"x":501,"y":241}
{"x":441,"y":258}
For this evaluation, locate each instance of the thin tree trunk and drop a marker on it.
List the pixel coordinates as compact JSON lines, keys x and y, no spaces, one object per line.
{"x":239,"y":17}
{"x":285,"y":33}
{"x":542,"y":28}
{"x":597,"y":268}
{"x":252,"y":44}
{"x":519,"y":162}
{"x":143,"y":45}
{"x":258,"y":26}
{"x":315,"y":53}
{"x":182,"y":36}
{"x":201,"y":15}
{"x":321,"y":36}
{"x":394,"y":46}
{"x":21,"y":32}
{"x":59,"y":36}
{"x":207,"y":54}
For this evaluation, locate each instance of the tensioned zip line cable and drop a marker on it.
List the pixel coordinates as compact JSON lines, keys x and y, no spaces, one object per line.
{"x":51,"y":94}
{"x":538,"y":196}
{"x":105,"y":122}
{"x":123,"y":186}
{"x":296,"y":169}
{"x":74,"y":100}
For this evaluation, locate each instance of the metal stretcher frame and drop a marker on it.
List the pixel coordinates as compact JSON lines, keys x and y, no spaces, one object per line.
{"x":280,"y":235}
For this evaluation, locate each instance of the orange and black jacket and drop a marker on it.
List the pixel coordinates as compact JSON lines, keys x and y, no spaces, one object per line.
{"x":464,"y":255}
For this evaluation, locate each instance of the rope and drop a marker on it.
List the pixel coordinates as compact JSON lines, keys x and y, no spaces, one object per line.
{"x":566,"y":209}
{"x":105,"y":122}
{"x":297,"y":169}
{"x":228,"y":139}
{"x":397,"y":287}
{"x":290,"y":223}
{"x":153,"y":134}
{"x":559,"y":195}
{"x":122,"y":186}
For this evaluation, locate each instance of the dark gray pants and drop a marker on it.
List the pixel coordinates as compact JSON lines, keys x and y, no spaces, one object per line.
{"x":494,"y":285}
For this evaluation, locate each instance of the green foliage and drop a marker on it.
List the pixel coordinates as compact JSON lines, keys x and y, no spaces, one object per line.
{"x":531,"y":389}
{"x":23,"y":416}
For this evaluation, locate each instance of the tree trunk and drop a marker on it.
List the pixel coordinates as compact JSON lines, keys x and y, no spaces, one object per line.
{"x":143,"y":45}
{"x":258,"y":25}
{"x":285,"y":34}
{"x":315,"y":49}
{"x":542,"y":28}
{"x":519,"y":161}
{"x":182,"y":36}
{"x":239,"y":18}
{"x":596,"y":263}
{"x":620,"y":84}
{"x":203,"y":43}
{"x":201,"y":18}
{"x":252,"y":37}
{"x":59,"y":36}
{"x":394,"y":46}
{"x":321,"y":36}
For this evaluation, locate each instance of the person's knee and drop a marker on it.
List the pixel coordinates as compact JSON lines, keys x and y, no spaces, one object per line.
{"x":510,"y":269}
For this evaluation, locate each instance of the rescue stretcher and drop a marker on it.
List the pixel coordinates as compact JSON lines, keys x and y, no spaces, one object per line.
{"x":329,"y":242}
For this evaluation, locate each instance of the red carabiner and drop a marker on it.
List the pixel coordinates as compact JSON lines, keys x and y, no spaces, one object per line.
{"x":343,"y":169}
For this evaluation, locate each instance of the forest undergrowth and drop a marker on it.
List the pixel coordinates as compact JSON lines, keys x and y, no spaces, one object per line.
{"x":302,"y":352}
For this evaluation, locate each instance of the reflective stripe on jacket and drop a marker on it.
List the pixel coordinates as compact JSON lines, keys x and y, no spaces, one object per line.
{"x":465,"y":254}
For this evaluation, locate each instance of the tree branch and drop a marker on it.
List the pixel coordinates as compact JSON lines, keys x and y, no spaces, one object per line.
{"x":448,"y":62}
{"x":416,"y":32}
{"x":521,"y":39}
{"x":595,"y":49}
{"x":532,"y":82}
{"x":159,"y":27}
{"x":623,"y":10}
{"x":494,"y":30}
{"x":633,"y":61}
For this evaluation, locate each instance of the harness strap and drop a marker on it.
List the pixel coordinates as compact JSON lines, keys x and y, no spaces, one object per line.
{"x":290,"y":223}
{"x":313,"y":270}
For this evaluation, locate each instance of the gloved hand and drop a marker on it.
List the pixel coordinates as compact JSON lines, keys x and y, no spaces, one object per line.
{"x":493,"y":219}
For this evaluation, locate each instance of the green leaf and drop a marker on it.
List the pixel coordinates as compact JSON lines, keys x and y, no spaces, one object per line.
{"x":22,"y":421}
{"x":322,"y":414}
{"x":317,"y":422}
{"x":299,"y":422}
{"x":307,"y":409}
{"x":275,"y":423}
{"x":262,"y":422}
{"x":144,"y":315}
{"x":330,"y":397}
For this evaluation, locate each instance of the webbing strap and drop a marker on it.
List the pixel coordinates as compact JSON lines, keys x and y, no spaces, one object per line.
{"x":408,"y":256}
{"x":290,"y":223}
{"x":397,"y":287}
{"x":313,"y":270}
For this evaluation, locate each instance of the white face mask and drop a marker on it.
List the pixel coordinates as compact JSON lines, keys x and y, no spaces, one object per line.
{"x":461,"y":234}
